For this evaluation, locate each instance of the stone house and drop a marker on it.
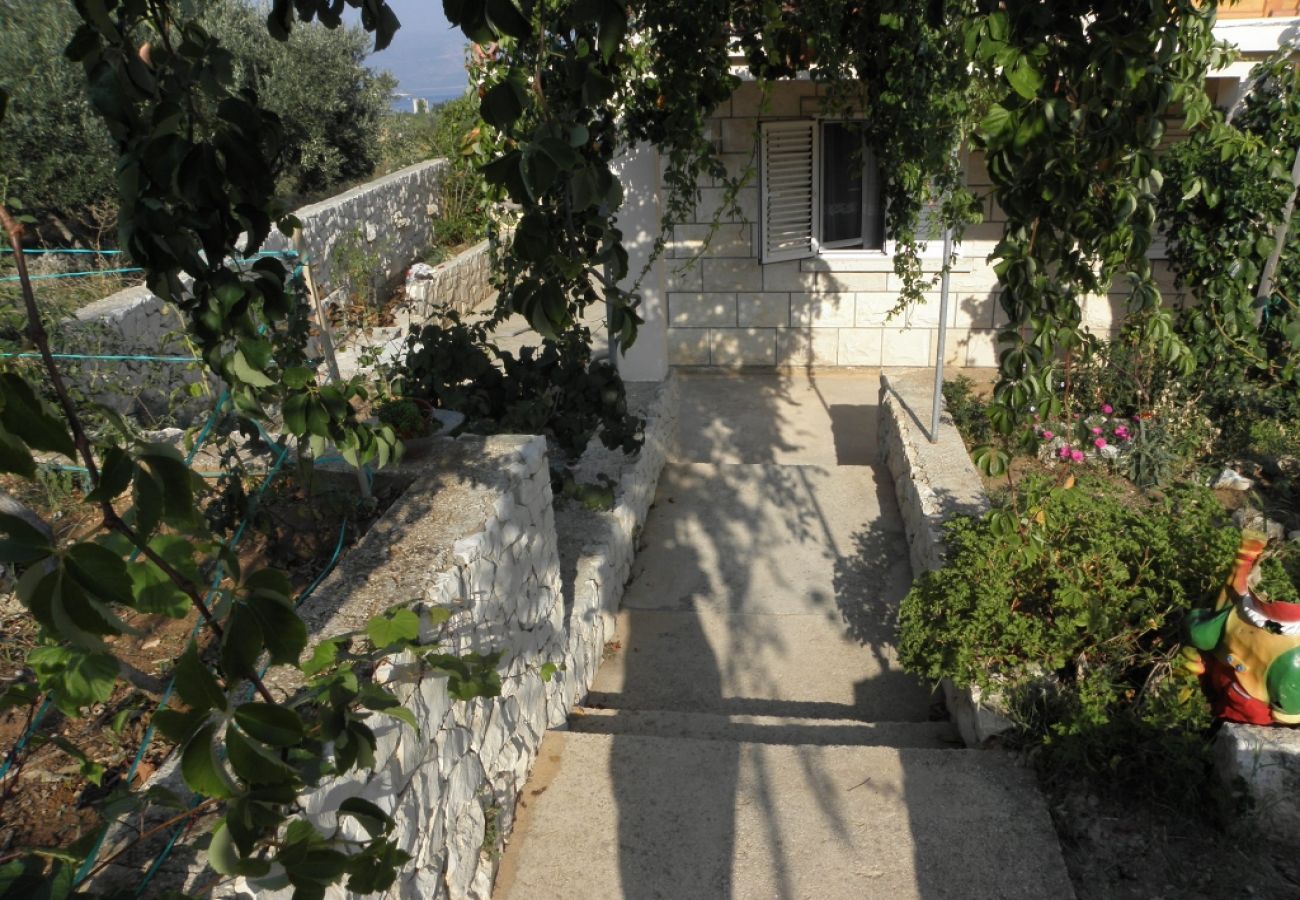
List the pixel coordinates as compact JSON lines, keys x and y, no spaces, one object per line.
{"x":805,"y":277}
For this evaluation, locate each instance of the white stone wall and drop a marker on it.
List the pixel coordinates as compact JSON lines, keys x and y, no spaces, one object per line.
{"x":133,"y":322}
{"x":391,"y":217}
{"x":463,"y":283}
{"x":606,"y":545}
{"x":729,"y":309}
{"x":476,"y":532}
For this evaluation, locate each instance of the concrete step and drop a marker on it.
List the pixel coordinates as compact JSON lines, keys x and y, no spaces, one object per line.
{"x":761,"y":665}
{"x":764,"y":729}
{"x":802,"y":540}
{"x":635,"y":817}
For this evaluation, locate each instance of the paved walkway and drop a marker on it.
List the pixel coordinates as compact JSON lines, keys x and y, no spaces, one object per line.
{"x":751,"y":735}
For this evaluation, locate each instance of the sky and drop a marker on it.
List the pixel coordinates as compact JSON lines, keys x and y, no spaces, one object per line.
{"x":427,"y":55}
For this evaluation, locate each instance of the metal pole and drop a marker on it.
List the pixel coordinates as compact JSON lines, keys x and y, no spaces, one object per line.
{"x":937,"y":400}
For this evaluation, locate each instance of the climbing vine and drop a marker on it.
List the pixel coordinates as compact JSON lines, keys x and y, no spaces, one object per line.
{"x":1084,"y":90}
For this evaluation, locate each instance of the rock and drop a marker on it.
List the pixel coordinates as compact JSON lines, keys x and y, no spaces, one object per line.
{"x":1232,"y":480}
{"x":1255,"y":521}
{"x":420,"y":272}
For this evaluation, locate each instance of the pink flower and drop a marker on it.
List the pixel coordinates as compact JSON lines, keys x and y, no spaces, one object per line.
{"x":1096,"y":431}
{"x":1047,"y":435}
{"x":1107,"y":409}
{"x":1064,"y":452}
{"x":1099,"y":443}
{"x":1077,"y":456}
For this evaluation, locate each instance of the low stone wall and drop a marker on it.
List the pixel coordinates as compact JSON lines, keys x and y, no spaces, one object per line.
{"x":933,"y":482}
{"x":476,"y":532}
{"x":597,"y":548}
{"x":389,"y":218}
{"x":463,"y":283}
{"x":129,"y":323}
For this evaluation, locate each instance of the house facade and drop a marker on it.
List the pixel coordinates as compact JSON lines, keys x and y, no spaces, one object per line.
{"x":805,"y":275}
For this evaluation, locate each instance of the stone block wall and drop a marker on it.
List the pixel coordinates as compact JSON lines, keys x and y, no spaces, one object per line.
{"x":129,"y":323}
{"x":390,"y":217}
{"x":729,"y":309}
{"x":463,"y":283}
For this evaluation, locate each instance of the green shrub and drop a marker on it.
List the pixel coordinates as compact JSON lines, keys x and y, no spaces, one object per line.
{"x":558,"y":390}
{"x":1085,"y":590}
{"x":969,"y":412}
{"x":405,"y":417}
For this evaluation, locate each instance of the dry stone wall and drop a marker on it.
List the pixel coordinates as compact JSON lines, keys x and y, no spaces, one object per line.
{"x":729,"y":309}
{"x":476,"y":532}
{"x":463,"y":283}
{"x":389,"y":218}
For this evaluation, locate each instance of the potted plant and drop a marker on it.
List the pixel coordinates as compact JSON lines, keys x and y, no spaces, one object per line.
{"x":412,"y":420}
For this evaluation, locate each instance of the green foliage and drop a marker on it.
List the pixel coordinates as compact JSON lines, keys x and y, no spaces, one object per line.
{"x":904,"y":63}
{"x":1070,"y":604}
{"x":1223,"y":199}
{"x":405,"y":417}
{"x":969,"y":412}
{"x":329,"y":103}
{"x":559,"y":391}
{"x":1071,"y":145}
{"x":196,"y":157}
{"x":54,"y":151}
{"x":451,"y":131}
{"x":1279,"y":577}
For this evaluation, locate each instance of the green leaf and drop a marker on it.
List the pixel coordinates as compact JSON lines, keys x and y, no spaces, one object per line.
{"x":242,"y":644}
{"x":253,"y":761}
{"x":298,"y":377}
{"x":1025,"y":80}
{"x":548,"y":671}
{"x":81,"y":678}
{"x":203,"y":772}
{"x":22,"y":543}
{"x":244,"y":371}
{"x":224,"y":856}
{"x":101,"y":572}
{"x":155,"y":592}
{"x":28,"y":417}
{"x":997,"y":122}
{"x":613,"y":26}
{"x":502,"y":104}
{"x":506,"y":19}
{"x":374,"y":820}
{"x":403,"y":714}
{"x":115,"y":470}
{"x":196,"y":684}
{"x":278,"y":726}
{"x":283,"y":631}
{"x":148,"y":497}
{"x":323,"y":656}
{"x":398,"y":627}
{"x":15,"y":457}
{"x":178,"y":726}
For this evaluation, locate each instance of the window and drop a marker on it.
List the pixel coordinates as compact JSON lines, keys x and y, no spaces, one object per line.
{"x":853,"y":217}
{"x":821,"y":192}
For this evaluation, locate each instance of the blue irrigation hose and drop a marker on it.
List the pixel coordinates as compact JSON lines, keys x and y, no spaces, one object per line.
{"x":26,"y":736}
{"x":93,"y":357}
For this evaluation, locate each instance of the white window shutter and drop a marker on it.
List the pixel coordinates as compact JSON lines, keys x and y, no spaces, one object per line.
{"x":789,"y":190}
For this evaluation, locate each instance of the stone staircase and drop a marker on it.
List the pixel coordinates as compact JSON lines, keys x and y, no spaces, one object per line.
{"x":750,"y":734}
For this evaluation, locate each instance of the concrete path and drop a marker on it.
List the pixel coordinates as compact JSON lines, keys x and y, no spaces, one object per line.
{"x":751,"y":734}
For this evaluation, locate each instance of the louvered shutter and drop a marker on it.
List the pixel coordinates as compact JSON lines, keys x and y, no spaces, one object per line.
{"x":789,"y":190}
